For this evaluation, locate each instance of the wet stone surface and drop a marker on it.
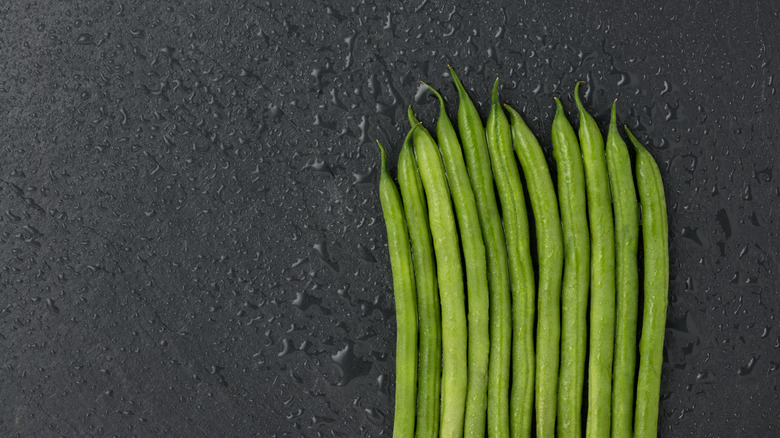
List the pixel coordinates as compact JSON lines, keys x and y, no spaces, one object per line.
{"x":191,"y":241}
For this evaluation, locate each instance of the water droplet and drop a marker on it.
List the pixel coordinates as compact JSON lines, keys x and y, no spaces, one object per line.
{"x":365,"y":254}
{"x":691,"y":233}
{"x":321,"y":249}
{"x":287,"y":347}
{"x":723,"y":221}
{"x":747,"y":369}
{"x":350,"y":365}
{"x":85,"y":39}
{"x":52,"y":305}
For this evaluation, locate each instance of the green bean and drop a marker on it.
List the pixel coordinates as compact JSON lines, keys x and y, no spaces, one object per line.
{"x":472,"y":136}
{"x":576,"y":268}
{"x":405,"y":306}
{"x":476,"y":274}
{"x":602,"y":274}
{"x":450,"y":275}
{"x":429,"y":367}
{"x":625,"y":207}
{"x":655,"y":234}
{"x":549,"y":244}
{"x":521,"y":271}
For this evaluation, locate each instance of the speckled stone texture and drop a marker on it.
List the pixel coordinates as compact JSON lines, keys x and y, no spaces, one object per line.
{"x":191,"y":241}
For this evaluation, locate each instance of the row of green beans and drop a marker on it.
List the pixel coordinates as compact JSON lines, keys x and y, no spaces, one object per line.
{"x":494,"y":333}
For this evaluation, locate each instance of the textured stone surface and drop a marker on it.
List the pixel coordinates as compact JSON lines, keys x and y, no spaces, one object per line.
{"x":191,"y":242}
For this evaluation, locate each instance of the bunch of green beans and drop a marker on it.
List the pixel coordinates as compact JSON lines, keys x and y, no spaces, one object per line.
{"x":502,"y":331}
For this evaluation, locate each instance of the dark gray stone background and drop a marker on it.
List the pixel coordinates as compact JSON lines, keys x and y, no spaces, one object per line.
{"x":191,"y":241}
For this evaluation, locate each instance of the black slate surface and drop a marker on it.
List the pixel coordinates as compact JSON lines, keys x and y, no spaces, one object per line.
{"x":191,"y":241}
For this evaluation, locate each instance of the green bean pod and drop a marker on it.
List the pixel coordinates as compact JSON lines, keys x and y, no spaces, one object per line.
{"x":428,"y":309}
{"x":626,"y":210}
{"x":472,"y":135}
{"x":405,"y":303}
{"x":450,"y":275}
{"x":521,"y":271}
{"x":476,"y":273}
{"x":549,"y":244}
{"x":655,"y":235}
{"x":576,"y":271}
{"x":602,"y":274}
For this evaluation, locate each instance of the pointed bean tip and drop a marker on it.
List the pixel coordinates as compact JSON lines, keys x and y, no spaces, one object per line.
{"x":435,"y":93}
{"x":637,"y":145}
{"x":613,"y":117}
{"x":408,"y":139}
{"x":513,"y":113}
{"x":410,"y":115}
{"x":382,"y":155}
{"x":558,"y":105}
{"x":577,"y":101}
{"x":456,"y":79}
